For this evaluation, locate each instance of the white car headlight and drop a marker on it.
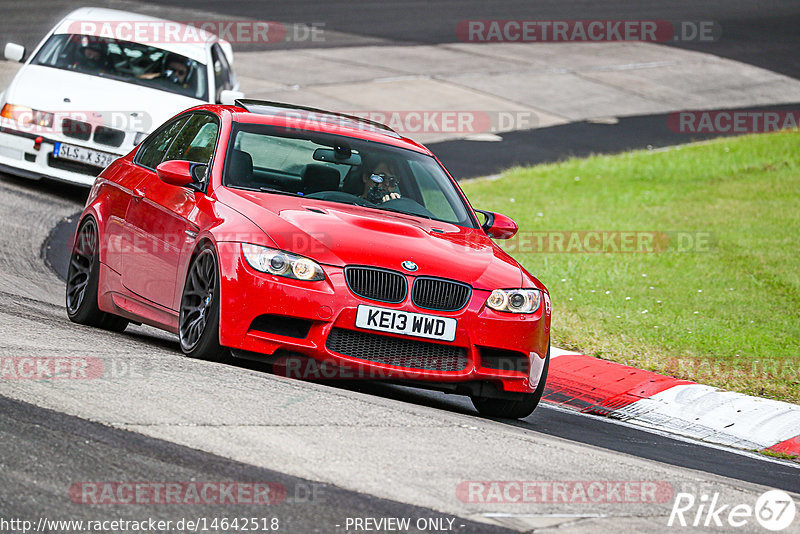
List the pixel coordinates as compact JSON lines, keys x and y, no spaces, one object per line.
{"x":26,"y":116}
{"x":515,"y":300}
{"x":280,"y":263}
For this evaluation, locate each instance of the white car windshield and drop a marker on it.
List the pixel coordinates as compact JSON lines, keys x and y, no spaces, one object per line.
{"x":125,"y":61}
{"x":342,"y":169}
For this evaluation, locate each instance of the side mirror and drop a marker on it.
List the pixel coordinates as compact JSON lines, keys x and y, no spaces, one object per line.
{"x":14,"y":52}
{"x":497,"y":225}
{"x":177,"y":172}
{"x":228,"y":97}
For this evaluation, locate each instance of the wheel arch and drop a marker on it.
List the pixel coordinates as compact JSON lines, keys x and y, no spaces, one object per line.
{"x":94,"y":211}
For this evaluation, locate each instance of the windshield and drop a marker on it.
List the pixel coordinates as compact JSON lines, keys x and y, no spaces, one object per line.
{"x":342,"y":169}
{"x":125,"y":61}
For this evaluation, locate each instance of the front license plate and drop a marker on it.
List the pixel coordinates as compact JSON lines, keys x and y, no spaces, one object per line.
{"x":83,"y":155}
{"x":407,"y":323}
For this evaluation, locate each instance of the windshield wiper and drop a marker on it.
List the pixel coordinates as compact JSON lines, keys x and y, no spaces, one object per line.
{"x":411,"y":213}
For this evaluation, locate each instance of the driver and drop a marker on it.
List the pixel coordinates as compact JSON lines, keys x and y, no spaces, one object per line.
{"x":380,"y":181}
{"x":175,"y":70}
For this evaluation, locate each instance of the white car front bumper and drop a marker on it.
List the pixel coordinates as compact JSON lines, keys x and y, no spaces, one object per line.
{"x":19,"y":156}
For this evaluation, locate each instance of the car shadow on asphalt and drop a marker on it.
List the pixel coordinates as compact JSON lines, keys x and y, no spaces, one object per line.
{"x":407,"y":394}
{"x":155,"y":339}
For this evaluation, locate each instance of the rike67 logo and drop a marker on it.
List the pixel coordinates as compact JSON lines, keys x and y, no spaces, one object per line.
{"x":774,"y":510}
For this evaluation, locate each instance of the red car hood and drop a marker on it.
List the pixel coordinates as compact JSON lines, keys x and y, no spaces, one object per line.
{"x":341,"y":234}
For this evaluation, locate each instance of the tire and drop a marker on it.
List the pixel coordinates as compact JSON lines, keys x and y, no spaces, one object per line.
{"x":198,"y":322}
{"x":82,"y":281}
{"x":514,"y":409}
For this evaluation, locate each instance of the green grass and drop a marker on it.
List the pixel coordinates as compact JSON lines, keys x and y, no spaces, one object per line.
{"x":780,"y":455}
{"x":727,"y":314}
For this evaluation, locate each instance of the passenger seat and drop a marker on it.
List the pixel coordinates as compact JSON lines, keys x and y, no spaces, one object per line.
{"x":241,"y":168}
{"x":317,"y":178}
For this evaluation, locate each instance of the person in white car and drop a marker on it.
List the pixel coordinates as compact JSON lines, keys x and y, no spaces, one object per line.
{"x":91,"y":57}
{"x":176,"y":70}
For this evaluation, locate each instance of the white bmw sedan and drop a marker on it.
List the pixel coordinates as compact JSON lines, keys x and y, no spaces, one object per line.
{"x":85,"y":96}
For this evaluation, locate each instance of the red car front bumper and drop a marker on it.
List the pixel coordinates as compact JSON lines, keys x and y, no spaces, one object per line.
{"x":504,"y":349}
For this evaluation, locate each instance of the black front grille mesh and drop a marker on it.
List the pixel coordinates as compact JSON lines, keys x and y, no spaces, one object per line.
{"x":109,"y":136}
{"x":376,"y":284}
{"x":438,"y":294}
{"x":396,"y":351}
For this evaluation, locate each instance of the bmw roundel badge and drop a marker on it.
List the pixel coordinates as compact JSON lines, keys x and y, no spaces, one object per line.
{"x":409,"y":266}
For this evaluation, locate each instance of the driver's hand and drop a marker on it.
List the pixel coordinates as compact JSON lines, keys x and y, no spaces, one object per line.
{"x":390,"y":196}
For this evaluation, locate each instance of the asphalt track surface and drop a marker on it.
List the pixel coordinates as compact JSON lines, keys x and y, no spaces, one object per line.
{"x":43,"y":451}
{"x":60,"y":449}
{"x":469,"y":159}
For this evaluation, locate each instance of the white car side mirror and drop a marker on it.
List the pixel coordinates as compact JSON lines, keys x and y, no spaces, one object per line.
{"x":14,"y":52}
{"x":227,"y":97}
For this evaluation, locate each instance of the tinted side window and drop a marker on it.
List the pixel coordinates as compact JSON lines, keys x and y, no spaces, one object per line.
{"x":154,"y":147}
{"x":196,"y":141}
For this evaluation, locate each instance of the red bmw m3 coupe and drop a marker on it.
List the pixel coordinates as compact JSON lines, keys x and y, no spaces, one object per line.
{"x":269,"y":231}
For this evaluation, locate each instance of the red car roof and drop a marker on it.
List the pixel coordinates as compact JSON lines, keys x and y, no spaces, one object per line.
{"x":320,"y":121}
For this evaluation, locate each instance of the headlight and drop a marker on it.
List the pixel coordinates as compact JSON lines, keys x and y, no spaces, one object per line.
{"x":515,"y":300}
{"x":27,"y":116}
{"x":280,"y":263}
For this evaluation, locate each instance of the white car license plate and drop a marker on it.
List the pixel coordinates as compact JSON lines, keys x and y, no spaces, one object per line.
{"x":83,"y":155}
{"x":407,"y":323}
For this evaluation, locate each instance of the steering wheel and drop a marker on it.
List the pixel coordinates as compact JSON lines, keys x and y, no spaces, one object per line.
{"x":132,"y":66}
